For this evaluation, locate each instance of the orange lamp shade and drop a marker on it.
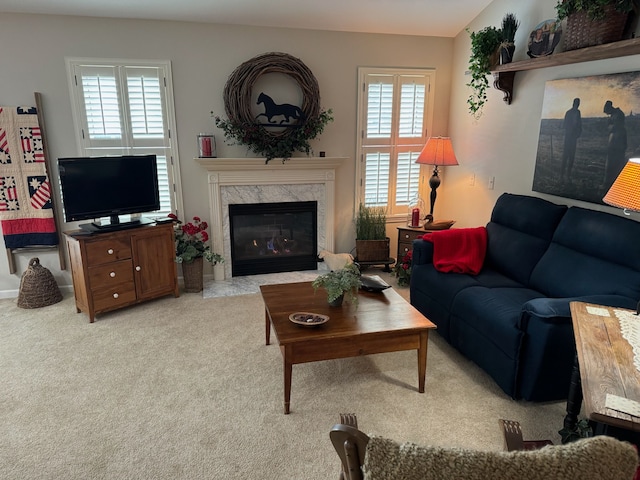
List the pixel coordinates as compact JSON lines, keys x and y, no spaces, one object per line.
{"x":438,"y":151}
{"x":625,"y":191}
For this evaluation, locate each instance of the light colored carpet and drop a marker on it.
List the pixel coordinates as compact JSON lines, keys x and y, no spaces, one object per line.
{"x":186,"y":389}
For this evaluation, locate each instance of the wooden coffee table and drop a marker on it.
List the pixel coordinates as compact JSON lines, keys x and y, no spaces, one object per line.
{"x":382,"y":322}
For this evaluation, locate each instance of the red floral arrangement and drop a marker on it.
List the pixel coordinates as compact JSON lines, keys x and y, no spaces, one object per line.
{"x":191,"y":241}
{"x":402,"y":270}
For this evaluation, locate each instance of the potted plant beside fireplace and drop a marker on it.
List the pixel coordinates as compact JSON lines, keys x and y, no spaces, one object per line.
{"x":191,"y":249}
{"x":372,"y":243}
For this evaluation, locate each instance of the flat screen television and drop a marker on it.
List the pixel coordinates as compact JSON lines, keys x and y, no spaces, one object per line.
{"x":95,"y":187}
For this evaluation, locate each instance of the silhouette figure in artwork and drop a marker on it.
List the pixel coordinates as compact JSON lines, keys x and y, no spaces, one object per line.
{"x":617,"y":145}
{"x":572,"y":126}
{"x":272,"y":109}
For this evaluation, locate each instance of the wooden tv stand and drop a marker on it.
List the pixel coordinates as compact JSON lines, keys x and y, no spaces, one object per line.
{"x":116,"y":269}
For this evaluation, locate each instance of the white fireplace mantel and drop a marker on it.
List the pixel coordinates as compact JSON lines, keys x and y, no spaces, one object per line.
{"x":250,"y":179}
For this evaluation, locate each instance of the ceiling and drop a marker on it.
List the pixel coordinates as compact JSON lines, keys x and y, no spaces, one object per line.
{"x":440,"y":18}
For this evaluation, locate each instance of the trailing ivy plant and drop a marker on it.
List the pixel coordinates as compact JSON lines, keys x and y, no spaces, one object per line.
{"x":595,"y":9}
{"x":484,"y":46}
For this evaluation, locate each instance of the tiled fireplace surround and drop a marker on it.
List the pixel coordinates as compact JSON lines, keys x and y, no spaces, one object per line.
{"x":249,"y":180}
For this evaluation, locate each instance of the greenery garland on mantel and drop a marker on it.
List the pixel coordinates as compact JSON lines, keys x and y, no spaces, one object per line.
{"x":241,"y":127}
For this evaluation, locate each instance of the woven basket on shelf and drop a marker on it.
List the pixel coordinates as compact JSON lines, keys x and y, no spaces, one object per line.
{"x":584,"y":32}
{"x":38,"y":288}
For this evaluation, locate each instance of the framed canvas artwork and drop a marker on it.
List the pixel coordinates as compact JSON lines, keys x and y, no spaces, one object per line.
{"x":589,"y":128}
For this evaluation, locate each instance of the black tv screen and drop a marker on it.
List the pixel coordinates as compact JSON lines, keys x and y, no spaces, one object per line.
{"x":95,"y":187}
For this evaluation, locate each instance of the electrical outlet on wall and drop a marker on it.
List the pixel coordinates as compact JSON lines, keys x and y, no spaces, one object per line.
{"x":492,"y":183}
{"x":472,"y":179}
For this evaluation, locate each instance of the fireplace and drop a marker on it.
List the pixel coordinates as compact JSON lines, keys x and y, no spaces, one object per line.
{"x":273,"y":237}
{"x":249,"y":181}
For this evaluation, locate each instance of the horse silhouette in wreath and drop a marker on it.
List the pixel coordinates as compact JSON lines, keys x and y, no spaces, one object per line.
{"x":285,"y":110}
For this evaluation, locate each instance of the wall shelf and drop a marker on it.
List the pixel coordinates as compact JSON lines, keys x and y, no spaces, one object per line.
{"x":503,"y":75}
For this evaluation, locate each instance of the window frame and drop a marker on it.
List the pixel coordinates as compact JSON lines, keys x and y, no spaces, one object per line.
{"x":396,"y":145}
{"x":128,"y":144}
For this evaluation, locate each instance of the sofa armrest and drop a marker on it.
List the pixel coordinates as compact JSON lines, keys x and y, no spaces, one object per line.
{"x":422,"y":252}
{"x":557,"y":309}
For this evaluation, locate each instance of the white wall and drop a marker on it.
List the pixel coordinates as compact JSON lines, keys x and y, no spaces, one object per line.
{"x":503,"y":142}
{"x":203,"y":56}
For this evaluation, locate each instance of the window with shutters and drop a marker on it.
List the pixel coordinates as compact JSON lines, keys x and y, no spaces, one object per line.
{"x":126,"y":108}
{"x":395,"y":115}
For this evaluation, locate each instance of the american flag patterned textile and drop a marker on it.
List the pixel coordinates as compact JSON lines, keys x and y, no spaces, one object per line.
{"x":26,"y":211}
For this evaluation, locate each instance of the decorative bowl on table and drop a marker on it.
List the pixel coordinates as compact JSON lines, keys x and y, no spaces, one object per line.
{"x":373,"y":283}
{"x":308,"y":319}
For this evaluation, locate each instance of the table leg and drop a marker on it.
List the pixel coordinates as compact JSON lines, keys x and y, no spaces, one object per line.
{"x":574,"y":400}
{"x":267,"y":327}
{"x":288,"y":370}
{"x":422,"y":360}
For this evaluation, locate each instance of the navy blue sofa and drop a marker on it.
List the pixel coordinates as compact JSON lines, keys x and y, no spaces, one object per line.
{"x":513,"y":318}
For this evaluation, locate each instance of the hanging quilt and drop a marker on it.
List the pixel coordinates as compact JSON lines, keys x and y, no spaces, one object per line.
{"x":26,"y":211}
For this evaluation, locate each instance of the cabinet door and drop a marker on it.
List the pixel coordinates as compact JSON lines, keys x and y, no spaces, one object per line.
{"x":154,"y":262}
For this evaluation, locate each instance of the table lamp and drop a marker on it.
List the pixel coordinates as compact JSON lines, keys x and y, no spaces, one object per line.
{"x":625,"y":192}
{"x":438,"y":151}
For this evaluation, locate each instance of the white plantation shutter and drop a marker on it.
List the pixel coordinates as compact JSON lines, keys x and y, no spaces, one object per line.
{"x":377,"y":179}
{"x":128,"y":109}
{"x":380,"y":103}
{"x":395,"y":112}
{"x":407,"y":178}
{"x":145,"y":103}
{"x":101,"y":103}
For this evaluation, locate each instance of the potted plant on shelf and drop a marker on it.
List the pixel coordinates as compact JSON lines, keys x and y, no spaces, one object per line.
{"x":372,"y":243}
{"x":191,"y":249}
{"x":484,"y":56}
{"x":594,"y":22}
{"x":339,"y":283}
{"x":510,"y":26}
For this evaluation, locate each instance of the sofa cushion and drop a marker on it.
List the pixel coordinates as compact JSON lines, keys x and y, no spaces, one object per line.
{"x":493,"y":313}
{"x":519,"y":233}
{"x":585,"y":258}
{"x":484,"y":327}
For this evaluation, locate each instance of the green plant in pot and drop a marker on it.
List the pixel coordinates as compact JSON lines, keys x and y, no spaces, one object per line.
{"x":372,"y":243}
{"x":340,"y":283}
{"x":510,"y":26}
{"x":484,"y":56}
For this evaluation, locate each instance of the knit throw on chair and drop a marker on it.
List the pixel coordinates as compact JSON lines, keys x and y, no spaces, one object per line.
{"x":596,"y":458}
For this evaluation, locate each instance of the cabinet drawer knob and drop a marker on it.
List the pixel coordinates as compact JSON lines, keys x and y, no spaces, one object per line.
{"x":115,"y":295}
{"x":112,"y":274}
{"x":406,"y":235}
{"x":406,"y":249}
{"x":138,"y":268}
{"x":110,"y":251}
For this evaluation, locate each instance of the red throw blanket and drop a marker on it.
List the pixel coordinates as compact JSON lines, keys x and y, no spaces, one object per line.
{"x":460,"y":250}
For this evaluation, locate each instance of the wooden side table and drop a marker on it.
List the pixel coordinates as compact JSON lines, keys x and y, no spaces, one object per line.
{"x":406,"y":236}
{"x":604,"y":365}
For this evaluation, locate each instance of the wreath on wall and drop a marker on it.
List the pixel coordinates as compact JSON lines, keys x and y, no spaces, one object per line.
{"x":242,"y":127}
